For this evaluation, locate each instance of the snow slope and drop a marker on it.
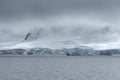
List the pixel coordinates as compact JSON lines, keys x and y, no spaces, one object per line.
{"x":65,"y":37}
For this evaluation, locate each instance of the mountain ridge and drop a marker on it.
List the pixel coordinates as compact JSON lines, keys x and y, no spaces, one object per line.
{"x":64,"y":37}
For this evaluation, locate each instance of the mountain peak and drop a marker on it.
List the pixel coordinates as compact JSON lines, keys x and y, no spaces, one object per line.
{"x":33,"y":34}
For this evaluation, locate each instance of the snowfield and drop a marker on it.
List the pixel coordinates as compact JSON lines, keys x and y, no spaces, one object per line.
{"x":60,"y":68}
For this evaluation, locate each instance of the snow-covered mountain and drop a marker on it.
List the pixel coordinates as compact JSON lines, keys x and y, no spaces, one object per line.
{"x":77,"y":51}
{"x":42,"y":41}
{"x":67,"y":37}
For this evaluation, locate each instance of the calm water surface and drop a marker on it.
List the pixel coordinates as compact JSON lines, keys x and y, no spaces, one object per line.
{"x":60,"y":68}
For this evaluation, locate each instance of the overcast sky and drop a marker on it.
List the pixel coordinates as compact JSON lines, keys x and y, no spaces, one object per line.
{"x":100,"y":18}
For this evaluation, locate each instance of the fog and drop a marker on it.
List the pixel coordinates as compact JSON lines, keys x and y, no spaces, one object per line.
{"x":90,"y":21}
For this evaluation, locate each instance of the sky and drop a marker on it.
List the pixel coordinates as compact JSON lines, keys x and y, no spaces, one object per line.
{"x":92,"y":21}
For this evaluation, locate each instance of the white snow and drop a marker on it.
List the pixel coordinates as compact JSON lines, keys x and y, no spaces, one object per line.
{"x":64,"y":37}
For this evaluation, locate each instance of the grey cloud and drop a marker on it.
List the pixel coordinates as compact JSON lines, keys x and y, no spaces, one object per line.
{"x":16,"y":8}
{"x":20,"y":16}
{"x":85,"y":34}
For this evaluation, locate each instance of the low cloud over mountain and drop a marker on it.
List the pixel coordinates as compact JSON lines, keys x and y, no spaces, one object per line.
{"x":78,"y":22}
